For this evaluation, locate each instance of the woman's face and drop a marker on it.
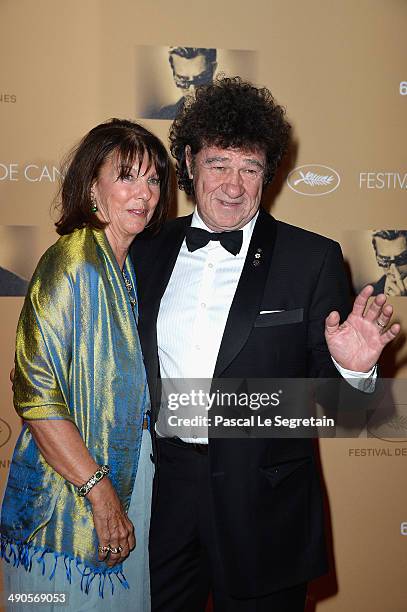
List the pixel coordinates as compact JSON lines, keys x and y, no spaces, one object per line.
{"x":126,"y":204}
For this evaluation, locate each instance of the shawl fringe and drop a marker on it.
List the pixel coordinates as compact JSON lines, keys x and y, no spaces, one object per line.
{"x":23,"y":554}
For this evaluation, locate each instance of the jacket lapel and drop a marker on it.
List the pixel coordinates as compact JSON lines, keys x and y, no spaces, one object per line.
{"x":249,"y":292}
{"x":169,"y":251}
{"x":165,"y":253}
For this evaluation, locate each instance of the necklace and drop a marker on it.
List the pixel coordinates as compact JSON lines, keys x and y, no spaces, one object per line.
{"x":129,"y":288}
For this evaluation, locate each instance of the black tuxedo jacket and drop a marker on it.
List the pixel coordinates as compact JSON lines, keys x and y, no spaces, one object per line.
{"x":266,"y":492}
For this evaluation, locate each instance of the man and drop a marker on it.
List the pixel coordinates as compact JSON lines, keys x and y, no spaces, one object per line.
{"x":241,"y":517}
{"x":391,"y":254}
{"x":191,"y":67}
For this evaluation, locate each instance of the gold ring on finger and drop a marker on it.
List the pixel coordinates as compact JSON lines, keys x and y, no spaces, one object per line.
{"x":104,"y":549}
{"x":115,"y":549}
{"x":380,"y":324}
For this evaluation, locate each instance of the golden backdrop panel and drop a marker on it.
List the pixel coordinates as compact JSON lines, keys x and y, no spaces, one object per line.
{"x":339,"y":68}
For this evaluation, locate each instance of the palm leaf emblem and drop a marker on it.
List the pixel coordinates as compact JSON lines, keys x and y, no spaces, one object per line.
{"x":312,"y":179}
{"x":398,"y":423}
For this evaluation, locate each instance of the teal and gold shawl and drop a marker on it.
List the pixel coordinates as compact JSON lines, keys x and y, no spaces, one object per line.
{"x":78,"y":357}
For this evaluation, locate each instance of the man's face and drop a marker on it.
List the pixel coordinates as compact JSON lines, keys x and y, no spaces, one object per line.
{"x":189,"y":73}
{"x":392,"y":252}
{"x":228,"y":185}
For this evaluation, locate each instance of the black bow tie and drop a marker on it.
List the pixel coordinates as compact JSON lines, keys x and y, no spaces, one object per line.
{"x":197,"y":238}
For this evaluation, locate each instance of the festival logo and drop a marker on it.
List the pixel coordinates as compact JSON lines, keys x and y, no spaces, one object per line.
{"x":5,"y":432}
{"x":393,"y":430}
{"x":388,"y":421}
{"x":313,"y":180}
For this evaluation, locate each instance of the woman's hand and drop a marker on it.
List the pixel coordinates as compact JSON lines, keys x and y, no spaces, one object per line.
{"x":61,"y":445}
{"x":113,"y":527}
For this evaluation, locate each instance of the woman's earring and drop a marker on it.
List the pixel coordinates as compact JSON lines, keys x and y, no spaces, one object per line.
{"x":94,"y":203}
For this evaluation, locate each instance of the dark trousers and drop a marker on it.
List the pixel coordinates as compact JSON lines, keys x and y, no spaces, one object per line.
{"x":185,"y":563}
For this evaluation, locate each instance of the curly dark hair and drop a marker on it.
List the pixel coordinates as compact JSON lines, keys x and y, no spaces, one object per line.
{"x":229,"y":113}
{"x":129,"y":141}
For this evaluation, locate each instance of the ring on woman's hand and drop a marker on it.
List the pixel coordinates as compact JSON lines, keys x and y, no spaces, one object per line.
{"x":104,"y":549}
{"x":380,"y":324}
{"x":115,"y":550}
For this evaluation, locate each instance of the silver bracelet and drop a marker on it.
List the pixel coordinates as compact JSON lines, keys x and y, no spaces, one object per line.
{"x":100,"y":473}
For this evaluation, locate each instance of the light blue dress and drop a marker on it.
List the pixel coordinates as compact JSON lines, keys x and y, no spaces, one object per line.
{"x":135,"y":568}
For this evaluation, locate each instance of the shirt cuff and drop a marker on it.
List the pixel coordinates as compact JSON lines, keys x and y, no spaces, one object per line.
{"x":363,"y":381}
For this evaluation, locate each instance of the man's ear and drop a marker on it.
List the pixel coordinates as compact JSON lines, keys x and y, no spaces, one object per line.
{"x":189,"y":161}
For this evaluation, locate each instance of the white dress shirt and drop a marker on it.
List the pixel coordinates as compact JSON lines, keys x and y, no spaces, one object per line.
{"x":192,"y":318}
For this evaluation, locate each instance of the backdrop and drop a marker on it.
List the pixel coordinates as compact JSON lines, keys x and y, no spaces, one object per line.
{"x":339,"y":68}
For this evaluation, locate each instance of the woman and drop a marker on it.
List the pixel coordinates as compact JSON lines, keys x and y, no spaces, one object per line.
{"x":83,"y":457}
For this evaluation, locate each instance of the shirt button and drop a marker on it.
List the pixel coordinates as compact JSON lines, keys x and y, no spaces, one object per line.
{"x":210,"y":265}
{"x":203,"y":305}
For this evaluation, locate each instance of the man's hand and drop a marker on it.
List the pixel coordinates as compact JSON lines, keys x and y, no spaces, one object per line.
{"x":394,"y":284}
{"x":356,"y":344}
